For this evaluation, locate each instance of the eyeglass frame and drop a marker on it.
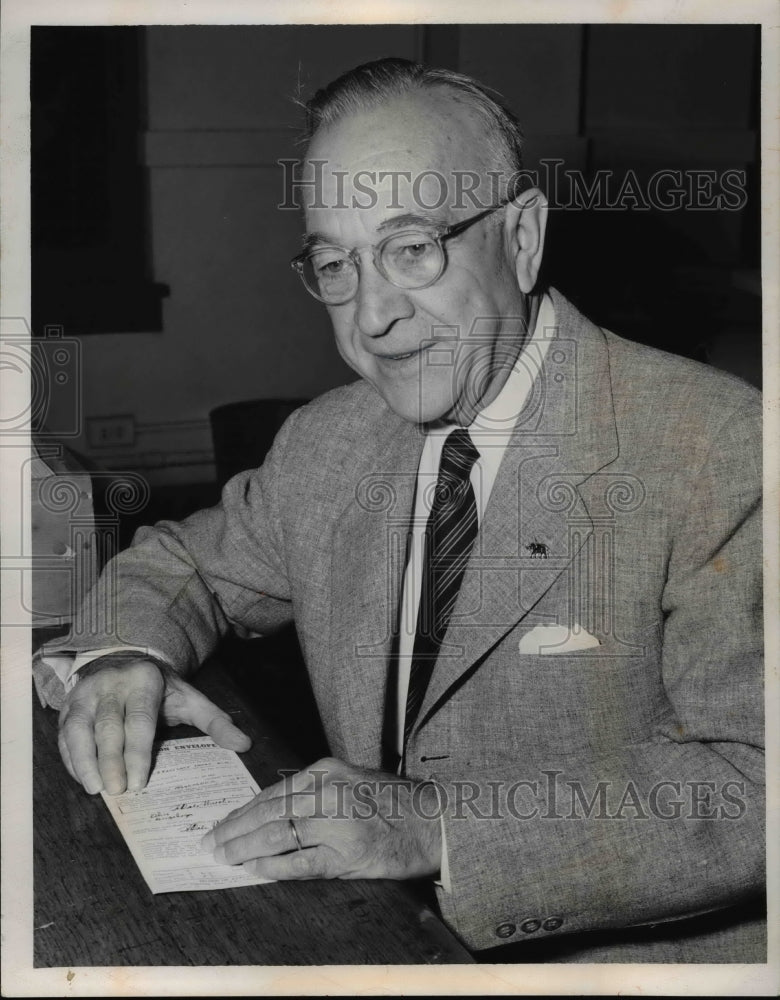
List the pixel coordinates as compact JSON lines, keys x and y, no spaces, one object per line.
{"x":439,"y":235}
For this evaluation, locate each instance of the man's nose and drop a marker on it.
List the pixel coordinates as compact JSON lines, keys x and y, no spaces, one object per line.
{"x":380,"y":304}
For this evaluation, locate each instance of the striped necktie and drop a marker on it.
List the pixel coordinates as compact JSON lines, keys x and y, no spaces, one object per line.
{"x":449,"y":538}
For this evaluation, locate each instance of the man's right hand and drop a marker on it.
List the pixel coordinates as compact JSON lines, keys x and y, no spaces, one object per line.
{"x":108,"y":722}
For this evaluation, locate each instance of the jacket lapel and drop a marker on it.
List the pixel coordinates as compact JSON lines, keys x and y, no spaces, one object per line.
{"x":369,"y":554}
{"x":565,"y":433}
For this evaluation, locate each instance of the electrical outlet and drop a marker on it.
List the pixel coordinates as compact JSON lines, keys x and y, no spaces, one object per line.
{"x":111,"y":432}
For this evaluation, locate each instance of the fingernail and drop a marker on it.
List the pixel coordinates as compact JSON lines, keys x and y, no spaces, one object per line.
{"x":207,"y":843}
{"x":93,"y":787}
{"x":219,"y":855}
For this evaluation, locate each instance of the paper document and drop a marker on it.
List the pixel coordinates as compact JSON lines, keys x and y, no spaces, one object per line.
{"x":194,"y":784}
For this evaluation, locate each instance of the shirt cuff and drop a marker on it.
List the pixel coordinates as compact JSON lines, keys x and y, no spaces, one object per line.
{"x":55,"y":674}
{"x":443,"y":881}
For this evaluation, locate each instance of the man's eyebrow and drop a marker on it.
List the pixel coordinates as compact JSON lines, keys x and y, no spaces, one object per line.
{"x":431,"y":219}
{"x":311,"y":240}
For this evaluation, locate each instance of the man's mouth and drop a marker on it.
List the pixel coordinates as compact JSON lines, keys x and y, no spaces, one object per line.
{"x":401,"y":357}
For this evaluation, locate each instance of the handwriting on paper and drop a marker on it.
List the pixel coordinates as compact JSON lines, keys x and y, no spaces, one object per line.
{"x":194,"y":783}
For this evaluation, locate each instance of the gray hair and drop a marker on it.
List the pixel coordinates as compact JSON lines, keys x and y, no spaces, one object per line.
{"x":373,"y":83}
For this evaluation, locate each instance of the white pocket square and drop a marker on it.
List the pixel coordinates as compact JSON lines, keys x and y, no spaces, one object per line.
{"x":550,"y":640}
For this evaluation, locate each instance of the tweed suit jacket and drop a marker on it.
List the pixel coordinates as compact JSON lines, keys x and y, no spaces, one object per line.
{"x":601,"y":781}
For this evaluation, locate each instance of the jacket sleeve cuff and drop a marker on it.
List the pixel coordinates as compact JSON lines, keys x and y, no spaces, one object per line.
{"x":55,"y":673}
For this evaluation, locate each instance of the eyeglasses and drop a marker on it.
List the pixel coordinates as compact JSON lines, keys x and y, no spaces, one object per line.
{"x":414,"y":258}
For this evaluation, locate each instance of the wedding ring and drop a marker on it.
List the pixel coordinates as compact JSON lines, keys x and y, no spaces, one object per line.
{"x":298,"y":843}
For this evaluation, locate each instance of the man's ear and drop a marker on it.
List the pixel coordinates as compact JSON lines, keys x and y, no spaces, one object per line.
{"x":524,"y":228}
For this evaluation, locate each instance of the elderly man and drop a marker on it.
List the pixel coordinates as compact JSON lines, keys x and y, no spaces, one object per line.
{"x":522,"y":556}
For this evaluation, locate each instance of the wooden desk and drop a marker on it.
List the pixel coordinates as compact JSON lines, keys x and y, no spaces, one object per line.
{"x":92,"y":907}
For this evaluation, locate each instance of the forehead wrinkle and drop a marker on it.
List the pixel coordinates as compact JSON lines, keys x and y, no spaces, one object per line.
{"x":398,"y":222}
{"x":434,"y":129}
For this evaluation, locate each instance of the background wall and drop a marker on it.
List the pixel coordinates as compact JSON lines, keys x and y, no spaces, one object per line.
{"x":236,"y":325}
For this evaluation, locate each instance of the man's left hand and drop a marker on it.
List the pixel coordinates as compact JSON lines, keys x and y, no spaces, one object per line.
{"x":332,"y":820}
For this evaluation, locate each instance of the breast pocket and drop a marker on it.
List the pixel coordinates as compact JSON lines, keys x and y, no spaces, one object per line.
{"x":587,"y":700}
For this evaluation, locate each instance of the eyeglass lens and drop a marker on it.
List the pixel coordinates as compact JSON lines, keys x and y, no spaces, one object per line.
{"x":408,"y":260}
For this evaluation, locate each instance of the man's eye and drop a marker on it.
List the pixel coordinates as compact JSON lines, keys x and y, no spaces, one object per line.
{"x":414,"y":251}
{"x":330,"y":268}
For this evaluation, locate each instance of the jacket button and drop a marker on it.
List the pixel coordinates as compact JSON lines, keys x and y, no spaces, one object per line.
{"x":529,"y":926}
{"x":552,"y":923}
{"x":505,"y":930}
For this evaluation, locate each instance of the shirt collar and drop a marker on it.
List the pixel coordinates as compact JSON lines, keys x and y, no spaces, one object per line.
{"x":499,"y":417}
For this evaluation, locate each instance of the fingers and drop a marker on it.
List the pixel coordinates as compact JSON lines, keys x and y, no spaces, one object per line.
{"x":235,"y":824}
{"x":249,"y":831}
{"x":265,"y":795}
{"x":140,"y":724}
{"x":240,"y":811}
{"x":291,"y":798}
{"x":107,"y":727}
{"x":78,"y":747}
{"x":65,"y":754}
{"x":185,"y":704}
{"x":351,"y":823}
{"x":313,"y":862}
{"x":108,"y":724}
{"x":276,"y":837}
{"x":223,"y":732}
{"x":274,"y":852}
{"x":256,"y":814}
{"x":110,"y":743}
